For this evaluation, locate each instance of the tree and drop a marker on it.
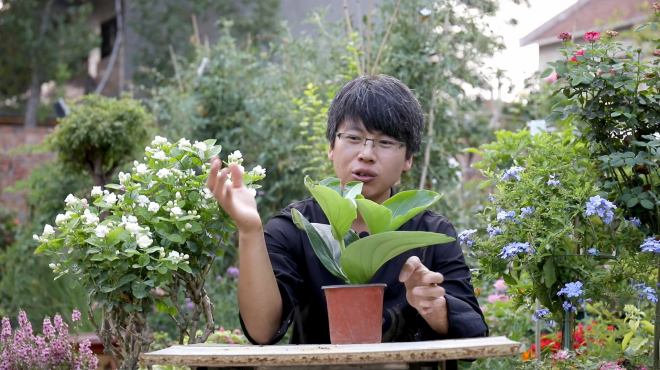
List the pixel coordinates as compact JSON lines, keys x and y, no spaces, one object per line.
{"x":46,"y":41}
{"x":168,"y":27}
{"x":100,"y":134}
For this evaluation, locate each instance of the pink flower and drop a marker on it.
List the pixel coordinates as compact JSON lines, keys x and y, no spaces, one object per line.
{"x":592,"y":36}
{"x":565,"y":36}
{"x":552,"y":78}
{"x":75,"y":315}
{"x":500,"y":285}
{"x":611,"y":366}
{"x":578,"y":53}
{"x":492,"y":298}
{"x":561,"y":355}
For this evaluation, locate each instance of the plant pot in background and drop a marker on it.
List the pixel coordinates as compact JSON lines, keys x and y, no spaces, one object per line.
{"x":355,"y":313}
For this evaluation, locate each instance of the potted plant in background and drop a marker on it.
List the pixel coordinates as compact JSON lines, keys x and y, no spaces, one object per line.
{"x":147,"y":243}
{"x":355,"y":309}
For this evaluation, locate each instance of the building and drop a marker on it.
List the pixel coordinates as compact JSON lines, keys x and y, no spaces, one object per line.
{"x":585,"y":16}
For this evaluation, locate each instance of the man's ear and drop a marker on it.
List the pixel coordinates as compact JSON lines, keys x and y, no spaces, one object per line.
{"x":407,"y":165}
{"x":330,"y":153}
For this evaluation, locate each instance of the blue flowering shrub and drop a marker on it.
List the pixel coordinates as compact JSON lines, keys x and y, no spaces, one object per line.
{"x":551,"y":233}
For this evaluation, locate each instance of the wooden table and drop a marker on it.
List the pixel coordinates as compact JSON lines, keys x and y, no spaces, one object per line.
{"x":331,"y":356}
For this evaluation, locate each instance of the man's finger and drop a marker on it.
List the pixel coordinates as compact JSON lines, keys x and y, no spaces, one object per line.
{"x":236,"y":175}
{"x":221,"y":184}
{"x":413,"y":263}
{"x":432,"y":278}
{"x":428,"y":292}
{"x":213,"y":173}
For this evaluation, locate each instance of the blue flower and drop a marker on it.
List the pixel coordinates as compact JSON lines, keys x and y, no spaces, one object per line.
{"x":570,"y":290}
{"x":526,"y":211}
{"x":553,"y":181}
{"x":646,"y":292}
{"x":651,"y":244}
{"x":493,"y":230}
{"x":491,"y":198}
{"x":568,"y":306}
{"x":603,"y":208}
{"x":506,"y":215}
{"x":541,"y":314}
{"x":593,"y":252}
{"x":465,"y":237}
{"x":512,"y":173}
{"x":635,"y":221}
{"x":513,"y":249}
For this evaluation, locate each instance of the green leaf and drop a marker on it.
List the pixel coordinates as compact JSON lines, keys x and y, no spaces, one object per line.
{"x":646,"y":203}
{"x":185,"y":267}
{"x":376,"y":216}
{"x":323,"y":248}
{"x":407,"y":204}
{"x":126,"y":279}
{"x":364,"y":257}
{"x":140,"y":290}
{"x":143,"y":260}
{"x":175,"y":238}
{"x":341,"y":212}
{"x":164,"y":307}
{"x":549,"y":273}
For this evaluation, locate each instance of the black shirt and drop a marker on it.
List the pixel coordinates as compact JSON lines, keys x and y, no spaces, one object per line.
{"x":300,"y":276}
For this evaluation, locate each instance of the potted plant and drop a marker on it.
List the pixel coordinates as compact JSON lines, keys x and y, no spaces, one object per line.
{"x":355,"y":309}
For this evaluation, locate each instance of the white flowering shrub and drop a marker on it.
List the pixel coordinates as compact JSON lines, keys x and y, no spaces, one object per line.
{"x":147,"y":241}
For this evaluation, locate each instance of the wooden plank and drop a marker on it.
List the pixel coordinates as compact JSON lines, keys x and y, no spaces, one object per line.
{"x":217,"y":355}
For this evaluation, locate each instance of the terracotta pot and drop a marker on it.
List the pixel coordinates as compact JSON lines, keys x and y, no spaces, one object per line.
{"x":355,"y":313}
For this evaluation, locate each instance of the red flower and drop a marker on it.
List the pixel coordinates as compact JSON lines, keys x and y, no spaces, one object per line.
{"x":552,"y":78}
{"x":565,"y":36}
{"x":592,"y":36}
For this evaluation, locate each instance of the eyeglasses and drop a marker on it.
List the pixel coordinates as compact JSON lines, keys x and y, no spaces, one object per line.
{"x":353,"y":140}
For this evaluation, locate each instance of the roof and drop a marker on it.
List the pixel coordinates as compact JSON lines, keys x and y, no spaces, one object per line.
{"x":590,"y":15}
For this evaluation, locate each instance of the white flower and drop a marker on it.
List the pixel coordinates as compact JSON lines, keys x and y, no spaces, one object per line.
{"x":159,"y":155}
{"x":252,"y":192}
{"x":141,"y":169}
{"x":159,"y":140}
{"x":71,"y":200}
{"x":89,"y":218}
{"x":206,"y":193}
{"x":144,"y":241}
{"x":163,"y":173}
{"x":153,"y":207}
{"x":188,"y":226}
{"x":62,"y":218}
{"x":110,"y":198}
{"x":425,"y":12}
{"x":176,"y":211}
{"x":200,"y":146}
{"x":48,"y":230}
{"x":36,"y":237}
{"x":184,"y":143}
{"x":142,"y":200}
{"x":124,"y":177}
{"x":96,"y":191}
{"x":258,"y":171}
{"x":101,"y":231}
{"x":235,"y":157}
{"x":177,"y":195}
{"x":52,"y":266}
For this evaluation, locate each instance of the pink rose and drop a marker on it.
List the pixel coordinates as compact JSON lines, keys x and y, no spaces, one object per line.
{"x":592,"y":36}
{"x":552,"y":78}
{"x":565,"y":36}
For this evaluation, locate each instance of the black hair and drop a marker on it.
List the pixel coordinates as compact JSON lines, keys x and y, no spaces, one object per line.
{"x":382,"y":103}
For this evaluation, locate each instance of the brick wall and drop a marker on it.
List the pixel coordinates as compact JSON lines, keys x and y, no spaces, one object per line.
{"x":16,"y":163}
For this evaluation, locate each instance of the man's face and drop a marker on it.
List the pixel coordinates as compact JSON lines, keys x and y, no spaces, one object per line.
{"x":377,"y":167}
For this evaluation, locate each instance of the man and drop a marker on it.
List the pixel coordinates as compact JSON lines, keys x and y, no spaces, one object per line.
{"x":374,"y":128}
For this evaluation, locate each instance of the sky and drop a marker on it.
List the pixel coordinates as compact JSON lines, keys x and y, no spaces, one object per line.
{"x":520,"y":62}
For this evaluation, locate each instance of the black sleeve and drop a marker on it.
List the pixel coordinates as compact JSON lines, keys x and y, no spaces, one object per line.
{"x":280,"y":234}
{"x":463,"y":313}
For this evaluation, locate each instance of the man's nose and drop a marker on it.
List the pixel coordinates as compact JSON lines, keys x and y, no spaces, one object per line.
{"x":367,"y":150}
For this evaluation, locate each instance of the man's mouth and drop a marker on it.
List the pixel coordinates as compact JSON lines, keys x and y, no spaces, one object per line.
{"x":363,"y":175}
